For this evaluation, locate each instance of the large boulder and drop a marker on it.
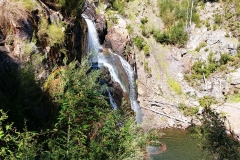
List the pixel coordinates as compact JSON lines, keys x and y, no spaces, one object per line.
{"x":232,"y":123}
{"x":117,"y":39}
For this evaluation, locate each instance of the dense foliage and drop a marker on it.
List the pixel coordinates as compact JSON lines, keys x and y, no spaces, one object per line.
{"x":214,"y":139}
{"x":85,"y":126}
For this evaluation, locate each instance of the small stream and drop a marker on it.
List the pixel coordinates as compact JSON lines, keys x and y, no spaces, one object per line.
{"x":179,"y":146}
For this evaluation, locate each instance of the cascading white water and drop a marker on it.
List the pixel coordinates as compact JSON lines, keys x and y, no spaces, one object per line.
{"x":115,"y":76}
{"x":132,"y":88}
{"x":94,"y":46}
{"x":93,"y":42}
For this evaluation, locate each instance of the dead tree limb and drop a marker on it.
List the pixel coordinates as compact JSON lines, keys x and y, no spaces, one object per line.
{"x":163,"y":114}
{"x":158,"y":103}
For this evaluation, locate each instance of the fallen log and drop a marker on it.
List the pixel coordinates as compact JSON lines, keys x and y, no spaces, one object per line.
{"x":163,"y":114}
{"x":158,"y":103}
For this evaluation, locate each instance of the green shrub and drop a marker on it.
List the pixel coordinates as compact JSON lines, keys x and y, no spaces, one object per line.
{"x":195,"y":18}
{"x":218,"y":19}
{"x":188,"y":111}
{"x":201,"y":45}
{"x":213,"y":137}
{"x":175,"y":35}
{"x":146,"y":49}
{"x":144,"y":30}
{"x":207,"y":24}
{"x":70,"y":7}
{"x":207,"y":101}
{"x":119,"y":5}
{"x":52,"y":33}
{"x":29,"y":4}
{"x":175,"y":85}
{"x":144,"y":20}
{"x":56,"y":34}
{"x":130,"y":29}
{"x":161,"y":37}
{"x":235,"y":98}
{"x":147,"y":68}
{"x":225,"y":57}
{"x":200,"y":68}
{"x":214,"y":27}
{"x":83,"y":126}
{"x":139,"y":42}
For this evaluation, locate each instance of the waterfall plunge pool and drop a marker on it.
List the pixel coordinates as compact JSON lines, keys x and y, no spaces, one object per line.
{"x":179,"y":146}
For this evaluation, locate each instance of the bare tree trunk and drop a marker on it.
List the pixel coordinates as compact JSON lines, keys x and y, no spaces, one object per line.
{"x":191,"y":14}
{"x":187,"y":15}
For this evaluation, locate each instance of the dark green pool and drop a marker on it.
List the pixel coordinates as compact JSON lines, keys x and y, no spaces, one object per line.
{"x":180,"y":146}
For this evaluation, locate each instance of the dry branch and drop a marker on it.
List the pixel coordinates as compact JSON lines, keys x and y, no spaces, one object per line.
{"x":163,"y":114}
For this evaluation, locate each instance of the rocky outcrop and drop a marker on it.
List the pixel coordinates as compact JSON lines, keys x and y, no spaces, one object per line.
{"x":90,"y":11}
{"x":76,"y":40}
{"x":232,"y":122}
{"x":101,"y":27}
{"x":118,"y":38}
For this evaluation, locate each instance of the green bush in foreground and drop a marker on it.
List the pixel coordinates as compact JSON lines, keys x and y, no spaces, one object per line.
{"x":214,"y":139}
{"x":85,"y":126}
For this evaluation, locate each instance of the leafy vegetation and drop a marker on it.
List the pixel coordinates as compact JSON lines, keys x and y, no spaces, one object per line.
{"x":70,"y":7}
{"x":53,"y":33}
{"x":139,"y":42}
{"x":147,"y":68}
{"x":85,"y":126}
{"x":201,"y":45}
{"x":207,"y":101}
{"x":173,"y":14}
{"x":144,"y":20}
{"x":188,"y":111}
{"x":146,"y":49}
{"x":235,"y":98}
{"x":201,"y":69}
{"x":176,"y":87}
{"x":130,"y":29}
{"x":119,"y":5}
{"x":214,"y":139}
{"x":174,"y":35}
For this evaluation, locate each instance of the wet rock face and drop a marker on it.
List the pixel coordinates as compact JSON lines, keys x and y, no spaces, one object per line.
{"x":90,"y":11}
{"x":76,"y":41}
{"x":101,"y":27}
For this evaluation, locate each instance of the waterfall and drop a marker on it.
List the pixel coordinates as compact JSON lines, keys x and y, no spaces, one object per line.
{"x":115,"y":75}
{"x":132,"y":88}
{"x":93,"y":42}
{"x":115,"y":72}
